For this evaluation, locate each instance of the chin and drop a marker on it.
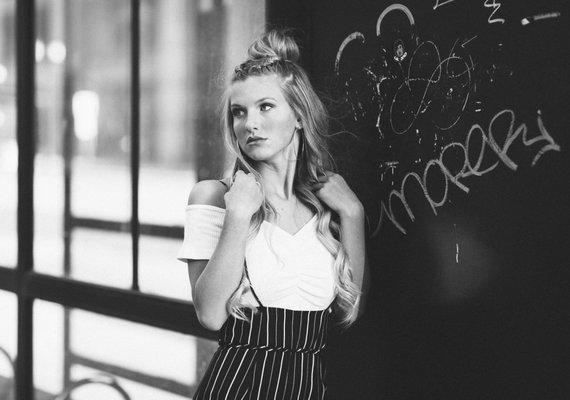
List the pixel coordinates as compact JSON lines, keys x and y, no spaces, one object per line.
{"x":257,"y":155}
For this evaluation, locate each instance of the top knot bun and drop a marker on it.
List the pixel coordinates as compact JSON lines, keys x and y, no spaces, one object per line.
{"x":274,"y":44}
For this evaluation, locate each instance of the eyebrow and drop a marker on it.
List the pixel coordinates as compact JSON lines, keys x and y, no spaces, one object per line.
{"x":265,"y":98}
{"x":257,"y":102}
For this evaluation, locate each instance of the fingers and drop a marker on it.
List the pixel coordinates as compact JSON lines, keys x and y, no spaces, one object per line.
{"x":321,"y":181}
{"x":246,"y":178}
{"x":317,"y":186}
{"x":238,"y":175}
{"x":326,"y":176}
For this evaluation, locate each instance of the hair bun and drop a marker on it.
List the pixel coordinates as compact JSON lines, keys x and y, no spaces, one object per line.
{"x":276,"y":43}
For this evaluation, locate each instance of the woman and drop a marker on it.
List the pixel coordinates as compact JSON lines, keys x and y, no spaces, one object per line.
{"x":264,"y":257}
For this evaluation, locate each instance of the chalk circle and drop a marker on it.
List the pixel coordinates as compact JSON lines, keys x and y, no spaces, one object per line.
{"x":389,"y":9}
{"x":353,"y":36}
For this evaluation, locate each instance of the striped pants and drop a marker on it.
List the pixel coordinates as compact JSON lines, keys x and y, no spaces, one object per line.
{"x":276,"y":356}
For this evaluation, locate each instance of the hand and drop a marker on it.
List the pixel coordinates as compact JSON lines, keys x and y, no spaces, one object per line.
{"x":244,"y":197}
{"x":333,"y":190}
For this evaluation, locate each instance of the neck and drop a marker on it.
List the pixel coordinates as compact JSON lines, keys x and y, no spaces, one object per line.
{"x":278,"y":179}
{"x":278,"y":174}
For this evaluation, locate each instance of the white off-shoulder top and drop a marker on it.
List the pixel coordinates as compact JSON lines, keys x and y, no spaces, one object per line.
{"x":285,"y":271}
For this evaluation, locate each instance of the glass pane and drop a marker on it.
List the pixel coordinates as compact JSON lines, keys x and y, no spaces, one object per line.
{"x":48,"y":172}
{"x":160,"y":272}
{"x":187,"y":48}
{"x":146,"y":362}
{"x":83,"y":100}
{"x":102,"y":257}
{"x":8,"y":342}
{"x":48,"y":347}
{"x":8,"y":145}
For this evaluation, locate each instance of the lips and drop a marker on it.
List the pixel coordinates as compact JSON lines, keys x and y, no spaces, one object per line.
{"x":254,"y":140}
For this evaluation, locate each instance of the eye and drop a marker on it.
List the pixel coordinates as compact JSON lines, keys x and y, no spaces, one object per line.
{"x":237,"y":112}
{"x":266,"y":106}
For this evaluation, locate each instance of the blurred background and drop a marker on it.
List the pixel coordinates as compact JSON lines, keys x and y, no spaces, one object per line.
{"x":82,"y":181}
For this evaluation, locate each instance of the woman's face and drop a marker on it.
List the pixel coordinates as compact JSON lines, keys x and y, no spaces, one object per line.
{"x":263,"y":121}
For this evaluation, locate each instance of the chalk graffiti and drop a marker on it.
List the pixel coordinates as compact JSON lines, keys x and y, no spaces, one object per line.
{"x":469,"y":166}
{"x":439,"y":3}
{"x":391,"y":8}
{"x":396,"y":95}
{"x":345,"y":42}
{"x":540,"y":17}
{"x":495,"y":6}
{"x":417,"y":93}
{"x":446,"y":88}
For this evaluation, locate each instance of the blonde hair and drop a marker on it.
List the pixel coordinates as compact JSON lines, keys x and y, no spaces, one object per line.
{"x":277,"y":53}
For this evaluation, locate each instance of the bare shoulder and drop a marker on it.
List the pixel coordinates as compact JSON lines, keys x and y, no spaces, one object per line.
{"x":210,"y":192}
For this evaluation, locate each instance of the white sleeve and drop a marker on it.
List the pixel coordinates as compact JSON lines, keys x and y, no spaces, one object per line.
{"x":202,"y":228}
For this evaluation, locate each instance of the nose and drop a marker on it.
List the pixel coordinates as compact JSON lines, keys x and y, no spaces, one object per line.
{"x":252,"y":123}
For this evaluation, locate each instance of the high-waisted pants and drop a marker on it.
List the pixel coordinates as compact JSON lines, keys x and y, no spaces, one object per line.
{"x":278,"y":355}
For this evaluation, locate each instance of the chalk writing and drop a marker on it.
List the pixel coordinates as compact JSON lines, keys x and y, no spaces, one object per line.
{"x":469,"y":166}
{"x":495,"y":5}
{"x":439,"y":3}
{"x":539,"y":17}
{"x":457,"y":253}
{"x":465,"y":43}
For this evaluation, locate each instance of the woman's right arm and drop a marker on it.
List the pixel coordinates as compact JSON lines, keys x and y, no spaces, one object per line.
{"x":213,"y":281}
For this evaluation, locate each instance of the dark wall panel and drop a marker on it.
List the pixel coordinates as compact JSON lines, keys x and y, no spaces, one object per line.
{"x":454,"y":118}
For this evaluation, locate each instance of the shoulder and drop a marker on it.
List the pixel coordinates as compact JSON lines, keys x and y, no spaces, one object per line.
{"x":209,"y":192}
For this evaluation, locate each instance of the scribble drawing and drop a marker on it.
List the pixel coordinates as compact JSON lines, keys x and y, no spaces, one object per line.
{"x":416,"y":96}
{"x":446,"y":87}
{"x":428,"y":82}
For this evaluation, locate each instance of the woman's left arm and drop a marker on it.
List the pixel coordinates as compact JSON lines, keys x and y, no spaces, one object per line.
{"x":335,"y":192}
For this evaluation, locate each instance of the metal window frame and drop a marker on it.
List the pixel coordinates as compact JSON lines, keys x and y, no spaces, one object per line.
{"x":27,"y":285}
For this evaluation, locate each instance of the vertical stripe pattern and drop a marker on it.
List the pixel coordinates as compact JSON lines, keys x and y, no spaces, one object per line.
{"x":275,"y":355}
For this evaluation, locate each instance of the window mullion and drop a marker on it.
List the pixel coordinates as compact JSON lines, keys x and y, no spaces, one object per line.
{"x":25,"y":130}
{"x":135,"y":135}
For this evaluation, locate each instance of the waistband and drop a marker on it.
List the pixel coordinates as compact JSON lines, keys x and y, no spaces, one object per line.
{"x":277,"y":329}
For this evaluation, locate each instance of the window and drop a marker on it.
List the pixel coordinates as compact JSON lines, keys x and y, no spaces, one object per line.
{"x":125,"y":101}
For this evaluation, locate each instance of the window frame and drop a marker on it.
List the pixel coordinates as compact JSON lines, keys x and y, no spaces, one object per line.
{"x":28,"y":285}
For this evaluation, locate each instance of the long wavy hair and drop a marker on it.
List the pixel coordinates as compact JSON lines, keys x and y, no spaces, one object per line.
{"x":277,"y":53}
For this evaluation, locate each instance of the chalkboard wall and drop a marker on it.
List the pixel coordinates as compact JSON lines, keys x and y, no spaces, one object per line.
{"x":453,"y":127}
